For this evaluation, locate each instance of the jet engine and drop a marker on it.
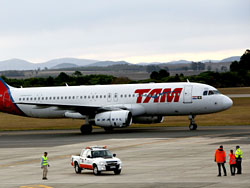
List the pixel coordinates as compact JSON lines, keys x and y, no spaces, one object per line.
{"x":148,"y":119}
{"x":119,"y":118}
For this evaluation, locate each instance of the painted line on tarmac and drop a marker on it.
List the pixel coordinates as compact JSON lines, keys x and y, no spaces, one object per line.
{"x":35,"y":186}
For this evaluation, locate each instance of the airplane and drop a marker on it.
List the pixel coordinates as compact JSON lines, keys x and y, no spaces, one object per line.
{"x":114,"y":106}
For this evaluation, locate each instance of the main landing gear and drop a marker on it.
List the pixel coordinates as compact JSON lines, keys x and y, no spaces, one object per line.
{"x":86,"y":129}
{"x":192,"y":125}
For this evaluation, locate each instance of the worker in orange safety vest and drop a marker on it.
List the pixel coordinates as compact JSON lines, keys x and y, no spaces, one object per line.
{"x":220,"y":158}
{"x":232,"y":162}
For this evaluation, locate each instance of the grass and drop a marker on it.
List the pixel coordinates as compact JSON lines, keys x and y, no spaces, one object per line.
{"x":235,"y":90}
{"x":239,"y":114}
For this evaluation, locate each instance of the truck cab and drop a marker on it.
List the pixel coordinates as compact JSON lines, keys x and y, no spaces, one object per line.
{"x":98,"y":159}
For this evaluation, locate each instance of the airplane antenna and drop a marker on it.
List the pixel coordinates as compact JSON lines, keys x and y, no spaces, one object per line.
{"x":188,"y":81}
{"x":66,"y":84}
{"x":21,"y":87}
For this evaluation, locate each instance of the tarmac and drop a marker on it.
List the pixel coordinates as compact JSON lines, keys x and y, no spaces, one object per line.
{"x":152,"y":157}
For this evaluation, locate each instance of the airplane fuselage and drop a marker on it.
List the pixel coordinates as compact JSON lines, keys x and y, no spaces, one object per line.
{"x":141,"y":99}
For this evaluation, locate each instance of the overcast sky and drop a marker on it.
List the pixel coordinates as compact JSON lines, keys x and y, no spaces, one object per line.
{"x":131,"y":30}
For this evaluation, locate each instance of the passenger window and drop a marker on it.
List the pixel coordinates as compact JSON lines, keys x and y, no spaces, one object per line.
{"x":50,"y":98}
{"x":204,"y":93}
{"x":69,"y":97}
{"x":35,"y":98}
{"x":73,"y":97}
{"x":61,"y":97}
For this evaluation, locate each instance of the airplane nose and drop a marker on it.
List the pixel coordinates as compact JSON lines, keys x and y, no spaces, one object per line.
{"x":227,"y":102}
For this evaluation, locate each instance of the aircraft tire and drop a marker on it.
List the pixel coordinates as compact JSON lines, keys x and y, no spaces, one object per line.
{"x":86,"y":129}
{"x":193,"y":127}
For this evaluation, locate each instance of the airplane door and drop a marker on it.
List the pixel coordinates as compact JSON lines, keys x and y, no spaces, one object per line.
{"x":187,"y":94}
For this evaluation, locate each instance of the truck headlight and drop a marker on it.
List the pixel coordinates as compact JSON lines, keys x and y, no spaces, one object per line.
{"x":102,"y":163}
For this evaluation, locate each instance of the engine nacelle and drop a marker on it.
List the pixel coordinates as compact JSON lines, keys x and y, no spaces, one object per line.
{"x":119,"y":118}
{"x":148,"y":119}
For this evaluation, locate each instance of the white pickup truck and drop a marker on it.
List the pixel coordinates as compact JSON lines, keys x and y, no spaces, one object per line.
{"x":97,"y":159}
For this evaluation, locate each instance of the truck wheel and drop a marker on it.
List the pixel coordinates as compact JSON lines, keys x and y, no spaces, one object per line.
{"x":117,"y":172}
{"x":96,"y":171}
{"x":78,"y":170}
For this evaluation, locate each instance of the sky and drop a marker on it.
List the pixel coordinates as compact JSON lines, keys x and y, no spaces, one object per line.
{"x":130,"y":30}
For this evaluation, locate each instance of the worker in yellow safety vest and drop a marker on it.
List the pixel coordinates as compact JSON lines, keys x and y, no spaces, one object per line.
{"x":238,"y":157}
{"x":45,"y":165}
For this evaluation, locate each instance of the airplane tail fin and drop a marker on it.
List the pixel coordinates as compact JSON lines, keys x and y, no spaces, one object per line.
{"x":2,"y":82}
{"x":3,"y":87}
{"x":6,"y":101}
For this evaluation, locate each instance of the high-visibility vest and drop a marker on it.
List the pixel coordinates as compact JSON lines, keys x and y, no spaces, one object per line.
{"x":232,"y":159}
{"x":45,"y":162}
{"x":220,"y":156}
{"x":238,"y":153}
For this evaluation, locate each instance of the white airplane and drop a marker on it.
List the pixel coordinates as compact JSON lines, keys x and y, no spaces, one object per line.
{"x":114,"y":106}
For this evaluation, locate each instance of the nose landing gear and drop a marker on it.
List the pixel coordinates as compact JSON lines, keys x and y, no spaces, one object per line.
{"x":192,"y":125}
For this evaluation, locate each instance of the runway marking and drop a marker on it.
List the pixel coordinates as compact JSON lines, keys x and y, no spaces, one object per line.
{"x":35,"y":186}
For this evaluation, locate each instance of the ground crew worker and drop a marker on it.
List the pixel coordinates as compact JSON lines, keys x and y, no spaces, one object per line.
{"x":220,"y":158}
{"x":238,"y":157}
{"x":232,"y":162}
{"x":45,"y":165}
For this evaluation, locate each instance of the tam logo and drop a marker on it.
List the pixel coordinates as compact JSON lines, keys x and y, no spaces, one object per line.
{"x":159,"y":94}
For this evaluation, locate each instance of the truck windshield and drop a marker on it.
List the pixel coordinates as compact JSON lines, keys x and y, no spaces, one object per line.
{"x":102,"y":153}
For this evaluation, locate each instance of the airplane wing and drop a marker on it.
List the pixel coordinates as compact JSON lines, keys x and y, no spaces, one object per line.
{"x":83,"y":109}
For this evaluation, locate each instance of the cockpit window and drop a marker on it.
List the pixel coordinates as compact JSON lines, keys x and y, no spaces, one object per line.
{"x":205,"y":93}
{"x":213,"y":92}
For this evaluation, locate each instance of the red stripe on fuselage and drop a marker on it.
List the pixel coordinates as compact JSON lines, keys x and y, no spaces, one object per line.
{"x":6,"y":104}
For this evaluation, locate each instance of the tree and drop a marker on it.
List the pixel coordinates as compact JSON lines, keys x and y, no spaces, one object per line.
{"x":163,"y":73}
{"x":154,"y":75}
{"x":77,"y":73}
